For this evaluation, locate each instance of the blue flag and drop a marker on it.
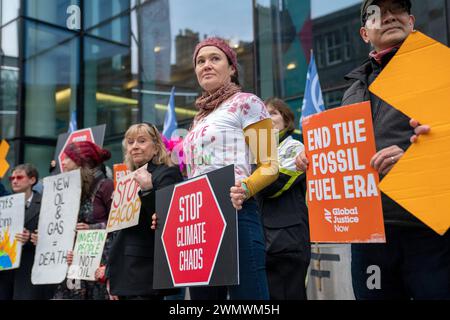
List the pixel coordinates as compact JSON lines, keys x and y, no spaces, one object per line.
{"x":313,"y":100}
{"x":73,"y":122}
{"x":170,"y":121}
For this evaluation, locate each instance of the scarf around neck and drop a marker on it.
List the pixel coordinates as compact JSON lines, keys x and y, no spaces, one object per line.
{"x":378,"y":56}
{"x":207,"y":103}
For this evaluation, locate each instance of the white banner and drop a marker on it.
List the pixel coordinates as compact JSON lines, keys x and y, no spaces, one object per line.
{"x":57,"y":224}
{"x":12,"y":216}
{"x":87,"y":254}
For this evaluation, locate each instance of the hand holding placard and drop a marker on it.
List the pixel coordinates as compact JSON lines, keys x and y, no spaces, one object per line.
{"x":87,"y":254}
{"x":126,"y":204}
{"x":57,"y":222}
{"x":344,"y":202}
{"x":420,"y":182}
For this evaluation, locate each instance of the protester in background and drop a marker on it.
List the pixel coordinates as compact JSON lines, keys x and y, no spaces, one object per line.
{"x":415,"y":261}
{"x":225,"y":110}
{"x":130,"y":265}
{"x":96,"y":199}
{"x":285,"y":215}
{"x":16,"y":284}
{"x":52,"y":167}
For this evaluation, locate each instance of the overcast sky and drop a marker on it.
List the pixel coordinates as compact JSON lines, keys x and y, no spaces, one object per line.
{"x":323,"y":7}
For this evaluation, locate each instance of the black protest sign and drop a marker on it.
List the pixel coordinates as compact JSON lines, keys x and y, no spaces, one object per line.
{"x":196,"y":238}
{"x":94,"y":134}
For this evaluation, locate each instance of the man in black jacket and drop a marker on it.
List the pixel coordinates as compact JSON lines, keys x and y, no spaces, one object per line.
{"x":415,"y":261}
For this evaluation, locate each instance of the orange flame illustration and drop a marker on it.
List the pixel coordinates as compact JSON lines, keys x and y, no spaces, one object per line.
{"x":6,"y":247}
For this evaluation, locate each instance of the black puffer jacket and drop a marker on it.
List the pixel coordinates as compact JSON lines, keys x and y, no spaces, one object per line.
{"x":391,"y":127}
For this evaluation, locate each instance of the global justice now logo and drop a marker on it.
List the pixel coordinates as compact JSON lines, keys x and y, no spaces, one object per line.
{"x":342,"y":218}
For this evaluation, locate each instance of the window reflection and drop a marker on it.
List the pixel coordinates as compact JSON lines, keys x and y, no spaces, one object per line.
{"x":9,"y":37}
{"x":9,"y":10}
{"x":9,"y":81}
{"x":169,"y":32}
{"x":51,"y":11}
{"x":99,"y":11}
{"x":51,"y":80}
{"x":284,"y":43}
{"x":40,"y":156}
{"x":107,"y":97}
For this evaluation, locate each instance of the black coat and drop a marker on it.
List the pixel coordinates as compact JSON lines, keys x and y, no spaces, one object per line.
{"x":3,"y":191}
{"x":130,"y":264}
{"x":391,"y":127}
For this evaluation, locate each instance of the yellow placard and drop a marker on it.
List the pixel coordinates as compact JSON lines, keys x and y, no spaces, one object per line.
{"x":4,"y":165}
{"x":417,"y":82}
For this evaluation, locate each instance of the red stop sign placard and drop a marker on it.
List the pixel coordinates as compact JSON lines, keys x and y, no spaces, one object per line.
{"x":193,"y":232}
{"x":76,"y":136}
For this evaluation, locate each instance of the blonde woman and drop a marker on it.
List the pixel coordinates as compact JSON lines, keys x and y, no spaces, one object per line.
{"x":129,"y":269}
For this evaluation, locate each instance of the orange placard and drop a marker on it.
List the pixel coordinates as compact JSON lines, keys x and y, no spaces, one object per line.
{"x":120,"y":170}
{"x":4,"y":165}
{"x":420,"y":181}
{"x":344,"y":201}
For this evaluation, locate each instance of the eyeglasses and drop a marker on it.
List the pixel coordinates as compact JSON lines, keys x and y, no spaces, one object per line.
{"x":18,"y":178}
{"x":395,"y":7}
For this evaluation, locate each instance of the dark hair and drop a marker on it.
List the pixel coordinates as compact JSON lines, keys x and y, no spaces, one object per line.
{"x":234,"y":77}
{"x":285,"y":111}
{"x":30,"y":171}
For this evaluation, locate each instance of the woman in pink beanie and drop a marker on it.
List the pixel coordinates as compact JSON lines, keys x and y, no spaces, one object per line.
{"x":217,"y":139}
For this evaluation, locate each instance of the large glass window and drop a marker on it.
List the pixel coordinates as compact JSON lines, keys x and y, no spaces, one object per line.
{"x":10,"y":40}
{"x":40,"y":156}
{"x":116,"y":152}
{"x":51,"y":11}
{"x":51,"y":79}
{"x":108,"y":19}
{"x":9,"y":74}
{"x":107,"y":97}
{"x":169,"y":31}
{"x":284,"y":42}
{"x":9,"y":10}
{"x":9,"y":81}
{"x":100,"y":11}
{"x":333,"y":42}
{"x":338,"y":47}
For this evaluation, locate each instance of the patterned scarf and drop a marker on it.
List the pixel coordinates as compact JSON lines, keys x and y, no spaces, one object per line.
{"x":378,"y":56}
{"x":207,"y":103}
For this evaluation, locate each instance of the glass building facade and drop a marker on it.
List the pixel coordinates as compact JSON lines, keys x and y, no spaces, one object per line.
{"x":114,"y":62}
